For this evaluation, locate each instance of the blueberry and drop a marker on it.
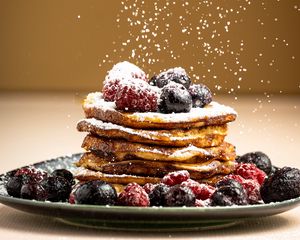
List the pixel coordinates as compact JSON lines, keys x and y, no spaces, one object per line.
{"x":180,"y":196}
{"x":96,"y":192}
{"x":229,"y":192}
{"x":261,"y":160}
{"x":284,"y":184}
{"x":174,"y":98}
{"x":157,"y":195}
{"x":33,"y":191}
{"x":201,"y":95}
{"x":177,"y":75}
{"x":65,"y":174}
{"x":14,"y":185}
{"x":57,"y":188}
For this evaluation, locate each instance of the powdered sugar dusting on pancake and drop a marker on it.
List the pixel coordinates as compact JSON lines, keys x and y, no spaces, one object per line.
{"x":212,"y":110}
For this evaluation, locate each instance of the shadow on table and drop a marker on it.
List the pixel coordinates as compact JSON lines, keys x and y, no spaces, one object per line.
{"x":23,"y":222}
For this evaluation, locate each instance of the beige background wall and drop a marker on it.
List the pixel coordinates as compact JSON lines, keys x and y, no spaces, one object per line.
{"x":58,"y":45}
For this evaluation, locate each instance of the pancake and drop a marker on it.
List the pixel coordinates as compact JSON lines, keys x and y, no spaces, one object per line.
{"x":155,"y":168}
{"x":120,"y":150}
{"x":214,"y":113}
{"x":84,"y":175}
{"x":200,"y":137}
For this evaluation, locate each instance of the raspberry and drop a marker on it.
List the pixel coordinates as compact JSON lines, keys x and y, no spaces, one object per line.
{"x":134,"y":195}
{"x":174,"y":178}
{"x":110,"y":89}
{"x":202,"y":191}
{"x":250,"y":171}
{"x":120,"y":72}
{"x":148,"y":187}
{"x":251,"y":186}
{"x":124,"y":70}
{"x":136,"y":96}
{"x":31,"y":174}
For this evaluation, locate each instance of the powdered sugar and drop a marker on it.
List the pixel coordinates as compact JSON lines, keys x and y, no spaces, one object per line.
{"x":214,"y":109}
{"x":125,"y":70}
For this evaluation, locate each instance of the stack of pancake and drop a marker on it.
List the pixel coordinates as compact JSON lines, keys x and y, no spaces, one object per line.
{"x":124,"y":147}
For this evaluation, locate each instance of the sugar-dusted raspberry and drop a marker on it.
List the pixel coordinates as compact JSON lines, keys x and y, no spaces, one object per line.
{"x":250,"y":171}
{"x":110,"y":89}
{"x":174,"y":178}
{"x":31,"y":174}
{"x":136,"y":96}
{"x":125,"y":70}
{"x":120,"y":72}
{"x":251,"y":186}
{"x":148,"y":187}
{"x":134,"y":195}
{"x":202,"y":191}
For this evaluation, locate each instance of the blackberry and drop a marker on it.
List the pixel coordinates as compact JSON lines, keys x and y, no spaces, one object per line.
{"x":177,"y":75}
{"x":96,"y":193}
{"x":229,"y":192}
{"x":157,"y":195}
{"x":174,"y":98}
{"x":14,"y":185}
{"x":261,"y":160}
{"x":284,"y":184}
{"x":64,"y":174}
{"x":180,"y":196}
{"x":201,"y":95}
{"x":57,"y":188}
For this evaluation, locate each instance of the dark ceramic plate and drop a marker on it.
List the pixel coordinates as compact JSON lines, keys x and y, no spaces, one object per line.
{"x":136,"y":218}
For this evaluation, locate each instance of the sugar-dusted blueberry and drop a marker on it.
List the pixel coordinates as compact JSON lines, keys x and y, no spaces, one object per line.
{"x":14,"y":185}
{"x":260,"y":159}
{"x":33,"y":191}
{"x":201,"y":95}
{"x":57,"y":188}
{"x":174,"y":98}
{"x":64,"y":173}
{"x":96,"y":193}
{"x":180,"y":196}
{"x":284,"y":184}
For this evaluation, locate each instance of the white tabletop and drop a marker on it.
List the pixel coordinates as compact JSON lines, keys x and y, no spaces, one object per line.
{"x":38,"y":126}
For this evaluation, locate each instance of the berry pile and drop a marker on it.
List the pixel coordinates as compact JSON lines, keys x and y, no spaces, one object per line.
{"x":168,"y":92}
{"x":31,"y":183}
{"x":247,"y":185}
